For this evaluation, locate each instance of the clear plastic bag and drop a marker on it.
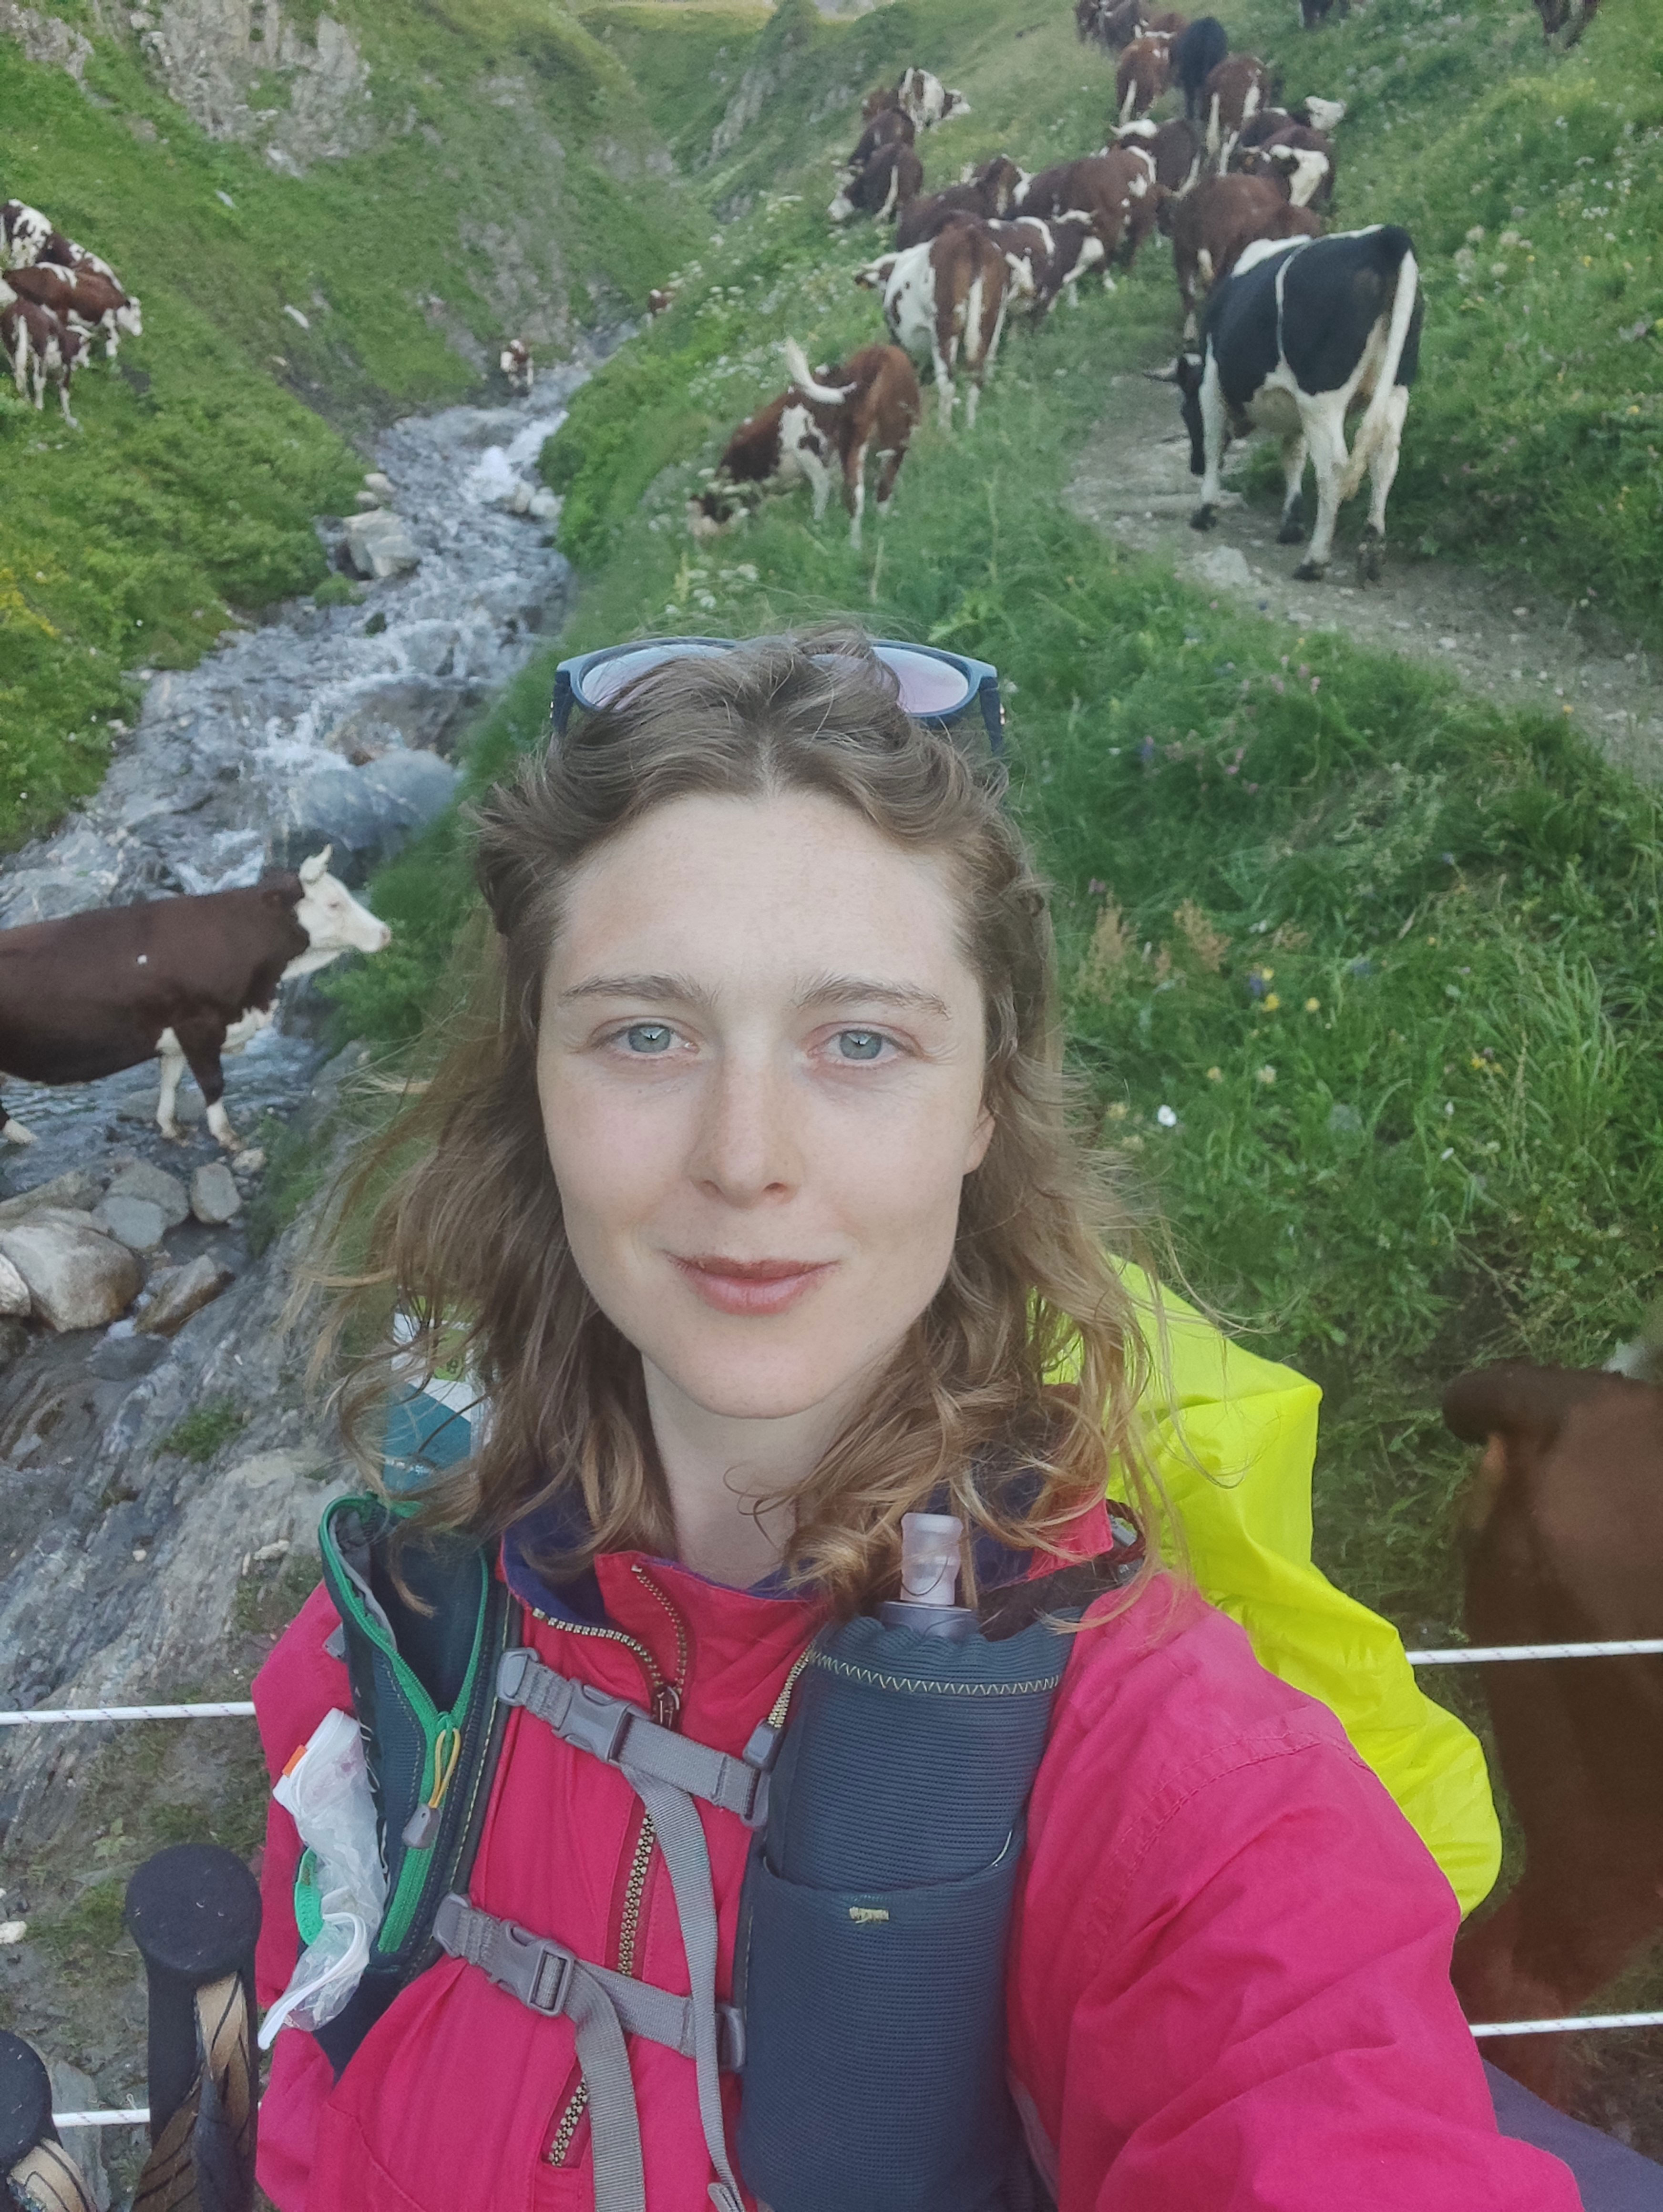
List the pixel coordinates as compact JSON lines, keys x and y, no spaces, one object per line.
{"x":326,"y":1789}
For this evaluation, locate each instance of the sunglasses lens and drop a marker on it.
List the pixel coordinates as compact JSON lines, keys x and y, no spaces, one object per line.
{"x":601,"y":684}
{"x":929,"y":686}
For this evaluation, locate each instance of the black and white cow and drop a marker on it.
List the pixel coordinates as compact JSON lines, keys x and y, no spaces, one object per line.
{"x":1298,"y":337}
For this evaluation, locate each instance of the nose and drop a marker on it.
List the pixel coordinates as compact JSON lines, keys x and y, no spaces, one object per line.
{"x":748,"y":1146}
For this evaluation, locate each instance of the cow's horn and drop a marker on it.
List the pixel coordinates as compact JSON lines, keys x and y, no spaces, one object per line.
{"x":312,"y":869}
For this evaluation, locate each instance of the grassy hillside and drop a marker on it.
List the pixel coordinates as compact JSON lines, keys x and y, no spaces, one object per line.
{"x":510,"y":181}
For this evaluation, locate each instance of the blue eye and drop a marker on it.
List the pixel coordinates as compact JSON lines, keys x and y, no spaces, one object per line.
{"x":860,"y":1044}
{"x":648,"y":1037}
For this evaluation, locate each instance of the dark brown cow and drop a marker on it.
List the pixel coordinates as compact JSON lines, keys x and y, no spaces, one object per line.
{"x":1314,"y":11}
{"x":1565,"y":1545}
{"x":891,"y":127}
{"x":869,"y":404}
{"x":1176,"y":149}
{"x":882,"y":96}
{"x":67,"y":253}
{"x":1211,"y":227}
{"x":1233,"y":93}
{"x":42,"y":349}
{"x":1115,"y":190}
{"x":89,"y":302}
{"x":23,"y":231}
{"x":1298,"y":158}
{"x":186,"y":979}
{"x":987,"y":193}
{"x":1144,"y":72}
{"x":890,"y":179}
{"x":1556,"y":14}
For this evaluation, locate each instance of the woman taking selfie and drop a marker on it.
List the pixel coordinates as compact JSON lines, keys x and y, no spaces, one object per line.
{"x":753,"y":1834}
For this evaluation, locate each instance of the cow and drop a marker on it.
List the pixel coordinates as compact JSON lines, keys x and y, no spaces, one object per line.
{"x":85,"y":301}
{"x":869,"y":404}
{"x":890,"y":179}
{"x":889,"y":127}
{"x":1296,"y":339}
{"x":1232,"y":95}
{"x":661,"y":300}
{"x":1197,"y":52}
{"x":515,"y":363}
{"x":186,"y":979}
{"x":42,"y":346}
{"x":1142,"y":74}
{"x":1299,"y":159}
{"x":879,"y":97}
{"x":926,"y":100}
{"x":1556,"y":14}
{"x":1563,"y":1543}
{"x":1176,"y":150}
{"x":69,"y":254}
{"x":1213,"y":226}
{"x":23,"y":231}
{"x":1116,"y":190}
{"x":985,"y":192}
{"x":1313,"y":12}
{"x":945,"y":301}
{"x":1046,"y":258}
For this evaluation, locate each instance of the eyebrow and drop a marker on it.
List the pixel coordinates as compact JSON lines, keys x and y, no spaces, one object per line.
{"x":819,"y":991}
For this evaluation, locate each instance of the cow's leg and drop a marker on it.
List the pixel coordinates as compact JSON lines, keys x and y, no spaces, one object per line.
{"x":1293,"y":479}
{"x":1382,"y":474}
{"x":1324,"y":430}
{"x":819,"y":478}
{"x":172,"y":1066}
{"x":853,"y":487}
{"x":20,"y":360}
{"x":1215,"y":438}
{"x":889,"y":468}
{"x":63,"y":402}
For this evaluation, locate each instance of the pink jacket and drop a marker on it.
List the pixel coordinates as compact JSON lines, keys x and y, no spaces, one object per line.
{"x":1228,"y":1986}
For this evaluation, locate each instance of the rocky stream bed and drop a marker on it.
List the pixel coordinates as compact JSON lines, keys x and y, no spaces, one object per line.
{"x":161,"y":1474}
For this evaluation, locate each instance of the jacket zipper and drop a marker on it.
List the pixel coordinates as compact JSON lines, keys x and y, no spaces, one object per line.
{"x":666,"y":1698}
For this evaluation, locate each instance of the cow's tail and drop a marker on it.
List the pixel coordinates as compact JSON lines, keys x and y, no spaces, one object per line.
{"x":1372,"y":428}
{"x":829,"y":395}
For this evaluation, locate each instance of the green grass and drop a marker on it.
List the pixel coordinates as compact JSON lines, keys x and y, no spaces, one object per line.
{"x":204,"y":1430}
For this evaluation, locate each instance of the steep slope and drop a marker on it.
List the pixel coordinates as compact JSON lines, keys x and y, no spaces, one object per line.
{"x":350,"y":235}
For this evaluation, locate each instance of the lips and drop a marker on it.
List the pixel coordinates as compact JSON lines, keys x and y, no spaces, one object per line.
{"x":751,"y":1286}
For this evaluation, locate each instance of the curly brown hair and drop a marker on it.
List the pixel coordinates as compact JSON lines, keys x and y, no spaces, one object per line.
{"x":1011,"y":1396}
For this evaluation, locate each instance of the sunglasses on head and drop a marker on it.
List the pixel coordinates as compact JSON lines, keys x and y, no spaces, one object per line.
{"x":935,"y":687}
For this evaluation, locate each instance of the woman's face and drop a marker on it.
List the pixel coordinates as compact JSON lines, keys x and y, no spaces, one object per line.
{"x":761,"y":1068}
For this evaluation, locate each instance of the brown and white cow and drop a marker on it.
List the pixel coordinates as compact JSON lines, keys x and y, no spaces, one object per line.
{"x":890,"y":179}
{"x":661,"y":300}
{"x":1564,"y":1545}
{"x":1211,"y":228}
{"x":41,"y":349}
{"x":927,"y":101}
{"x":945,"y":302}
{"x":867,"y":407}
{"x":1116,"y":191}
{"x":1298,"y":158}
{"x":70,"y":253}
{"x":889,"y":127}
{"x":986,"y":192}
{"x":90,"y":303}
{"x":515,"y":363}
{"x":1142,"y":74}
{"x":186,"y":979}
{"x":1047,"y":258}
{"x":1176,"y":150}
{"x":23,"y":231}
{"x":1232,"y":95}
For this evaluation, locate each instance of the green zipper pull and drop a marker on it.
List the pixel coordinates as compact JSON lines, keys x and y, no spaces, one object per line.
{"x":422,"y":1826}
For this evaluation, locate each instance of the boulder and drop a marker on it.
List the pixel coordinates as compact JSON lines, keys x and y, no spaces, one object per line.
{"x":215,"y":1197}
{"x":1224,"y":568}
{"x":137,"y":1223}
{"x":124,"y":1358}
{"x":380,"y":484}
{"x":155,"y":1185}
{"x":15,"y":1304}
{"x":544,"y":505}
{"x":79,"y":1189}
{"x":184,"y":1291}
{"x":77,"y":1277}
{"x":14,"y":1341}
{"x":379,"y":545}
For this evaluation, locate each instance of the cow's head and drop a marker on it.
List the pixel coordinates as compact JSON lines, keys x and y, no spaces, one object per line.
{"x":876,"y":274}
{"x":128,"y":319}
{"x":714,"y":506}
{"x":332,"y":918}
{"x":1187,"y":372}
{"x":953,"y":103}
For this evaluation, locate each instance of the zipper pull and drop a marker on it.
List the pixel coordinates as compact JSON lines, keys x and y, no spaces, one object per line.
{"x":422,"y":1826}
{"x":666,"y":1704}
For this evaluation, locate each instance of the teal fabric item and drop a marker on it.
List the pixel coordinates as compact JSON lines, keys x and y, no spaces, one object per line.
{"x":423,"y":1436}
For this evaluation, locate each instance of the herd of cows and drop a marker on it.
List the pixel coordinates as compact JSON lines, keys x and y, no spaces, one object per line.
{"x":56,"y":298}
{"x":1285,"y":329}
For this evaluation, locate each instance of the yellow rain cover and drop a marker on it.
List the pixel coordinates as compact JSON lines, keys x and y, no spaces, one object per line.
{"x":1252,"y":1426}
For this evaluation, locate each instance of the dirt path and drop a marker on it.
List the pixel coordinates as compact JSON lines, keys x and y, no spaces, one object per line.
{"x":1500,"y":635}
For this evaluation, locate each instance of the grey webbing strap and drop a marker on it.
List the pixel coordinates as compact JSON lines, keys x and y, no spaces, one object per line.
{"x":552,"y":1980}
{"x":621,"y":1733}
{"x":681,"y":1837}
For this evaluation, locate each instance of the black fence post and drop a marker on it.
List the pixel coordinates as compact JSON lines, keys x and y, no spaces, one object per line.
{"x":38,"y":2174}
{"x":194,"y":1912}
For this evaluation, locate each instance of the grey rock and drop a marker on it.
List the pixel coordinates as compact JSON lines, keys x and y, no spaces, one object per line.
{"x":1223,"y":567}
{"x":377,"y":480}
{"x":544,"y":505}
{"x":186,"y":1291}
{"x":155,"y":1186}
{"x":79,"y":1189}
{"x":15,"y":1304}
{"x":379,"y":545}
{"x":137,"y":1223}
{"x":215,"y":1197}
{"x":78,"y":1278}
{"x":14,"y":1341}
{"x":121,"y":1358}
{"x":368,"y":812}
{"x":72,"y":2091}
